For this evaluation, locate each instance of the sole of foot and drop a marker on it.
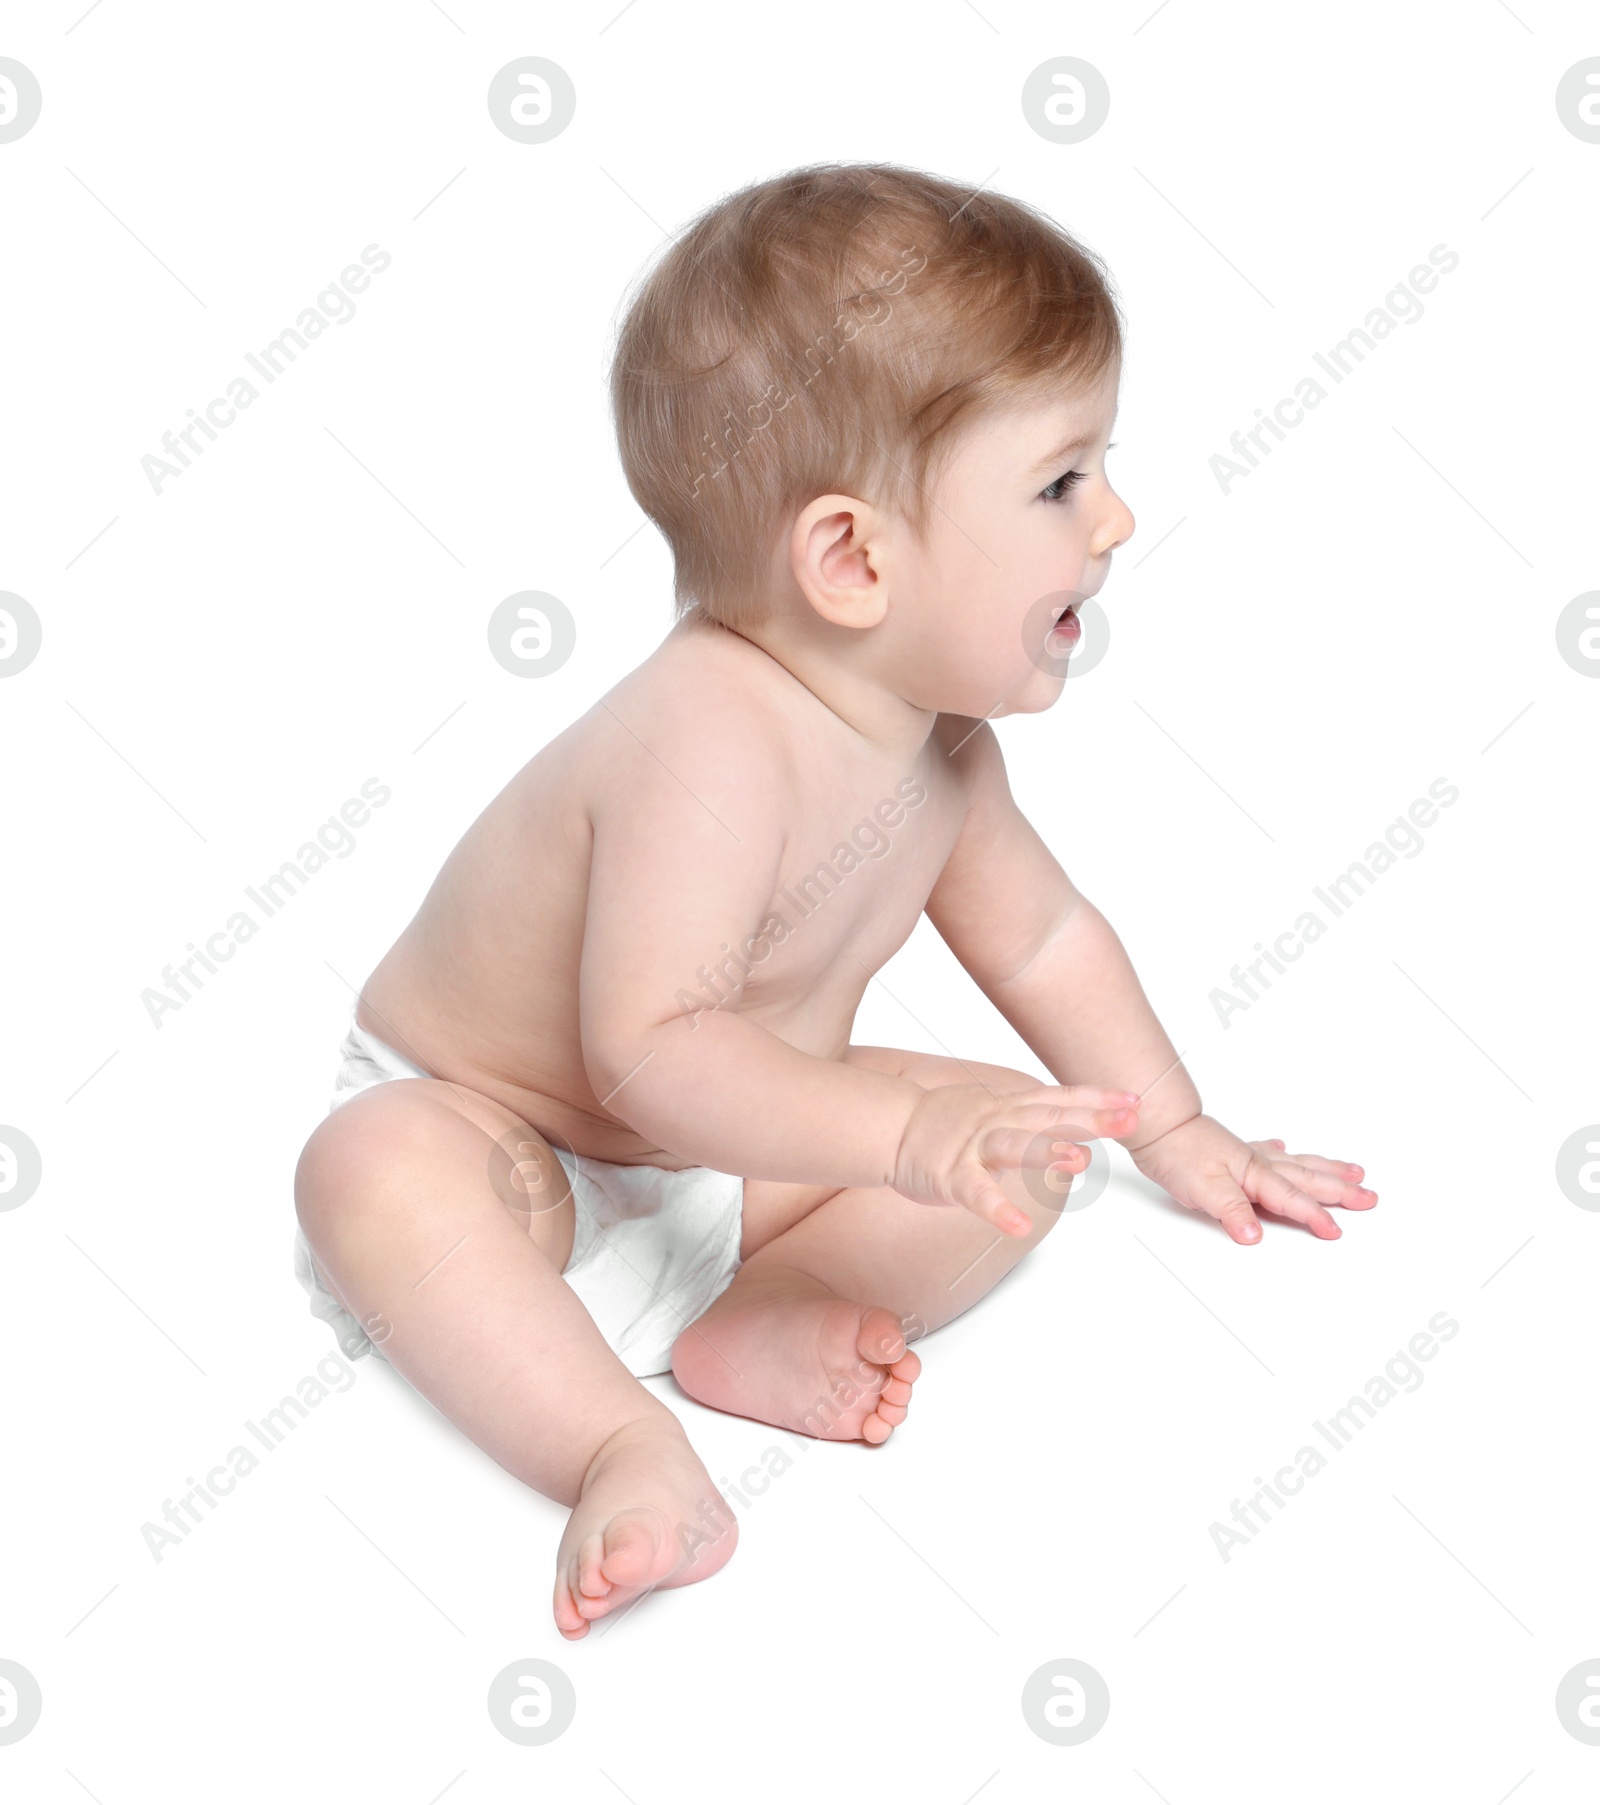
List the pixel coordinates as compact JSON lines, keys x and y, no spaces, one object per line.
{"x":794,"y":1354}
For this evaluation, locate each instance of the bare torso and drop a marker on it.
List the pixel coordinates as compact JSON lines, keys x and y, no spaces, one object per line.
{"x":482,"y":987}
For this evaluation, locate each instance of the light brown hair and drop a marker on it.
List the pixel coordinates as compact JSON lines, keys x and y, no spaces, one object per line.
{"x":829,"y":330}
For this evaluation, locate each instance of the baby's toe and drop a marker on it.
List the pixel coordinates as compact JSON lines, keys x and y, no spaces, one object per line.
{"x":569,"y":1619}
{"x":896,"y":1391}
{"x":631,"y":1542}
{"x":591,"y":1580}
{"x":881,"y":1340}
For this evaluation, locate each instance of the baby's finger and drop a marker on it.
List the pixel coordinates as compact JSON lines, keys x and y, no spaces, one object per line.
{"x":1237,"y":1217}
{"x":1010,"y":1149}
{"x":979,"y":1193}
{"x":1317,"y":1163}
{"x":1079,"y":1119}
{"x":1090,"y":1096}
{"x":1343,"y":1167}
{"x":1279,"y":1194}
{"x":1340,"y":1168}
{"x":1325,"y":1180}
{"x":1065,"y":1105}
{"x":1340,"y":1176}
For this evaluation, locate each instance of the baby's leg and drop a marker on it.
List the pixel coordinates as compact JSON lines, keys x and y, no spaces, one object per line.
{"x":812,"y":1332}
{"x":395,"y":1195}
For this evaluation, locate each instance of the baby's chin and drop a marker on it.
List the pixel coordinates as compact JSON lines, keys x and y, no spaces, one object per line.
{"x":1031,"y":705}
{"x":1028,"y":691}
{"x":1036,"y":693}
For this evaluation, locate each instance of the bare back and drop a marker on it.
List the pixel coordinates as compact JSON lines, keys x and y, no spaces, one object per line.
{"x":845,"y":842}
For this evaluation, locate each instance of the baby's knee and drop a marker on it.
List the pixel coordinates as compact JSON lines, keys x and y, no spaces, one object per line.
{"x":365,"y":1157}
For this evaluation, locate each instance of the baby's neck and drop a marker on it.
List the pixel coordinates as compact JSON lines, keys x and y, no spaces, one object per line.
{"x":838,"y":672}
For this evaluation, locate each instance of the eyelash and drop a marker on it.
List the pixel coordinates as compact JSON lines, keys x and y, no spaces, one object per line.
{"x":1067,"y":482}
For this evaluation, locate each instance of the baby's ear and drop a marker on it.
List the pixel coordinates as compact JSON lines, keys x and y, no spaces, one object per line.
{"x":835,"y":557}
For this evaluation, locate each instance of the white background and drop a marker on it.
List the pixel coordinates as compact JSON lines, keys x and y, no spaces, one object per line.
{"x":1373,"y":609}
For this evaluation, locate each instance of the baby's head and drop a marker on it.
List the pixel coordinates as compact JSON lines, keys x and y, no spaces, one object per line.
{"x":869,"y":410}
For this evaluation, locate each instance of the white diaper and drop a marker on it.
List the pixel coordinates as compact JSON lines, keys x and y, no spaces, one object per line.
{"x":651,"y":1249}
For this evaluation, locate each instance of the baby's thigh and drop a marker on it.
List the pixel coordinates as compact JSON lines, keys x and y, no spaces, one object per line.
{"x":416,"y":1149}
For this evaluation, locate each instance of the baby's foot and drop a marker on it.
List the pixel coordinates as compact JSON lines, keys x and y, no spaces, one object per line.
{"x":649,"y":1518}
{"x":783,"y":1348}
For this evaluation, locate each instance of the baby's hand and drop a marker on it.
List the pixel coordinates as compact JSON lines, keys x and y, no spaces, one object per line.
{"x":960,"y":1134}
{"x":1206,"y":1168}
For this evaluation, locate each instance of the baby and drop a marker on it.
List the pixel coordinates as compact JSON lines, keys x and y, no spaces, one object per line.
{"x":599,"y":1115}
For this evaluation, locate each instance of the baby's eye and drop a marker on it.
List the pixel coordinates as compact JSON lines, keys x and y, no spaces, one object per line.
{"x":1061,"y":487}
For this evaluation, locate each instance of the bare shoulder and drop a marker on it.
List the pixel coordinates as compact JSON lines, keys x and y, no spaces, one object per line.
{"x":706,"y":712}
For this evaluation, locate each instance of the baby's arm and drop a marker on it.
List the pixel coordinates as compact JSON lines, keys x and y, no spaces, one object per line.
{"x":687,"y":846}
{"x":1055,"y":969}
{"x":1047,"y":958}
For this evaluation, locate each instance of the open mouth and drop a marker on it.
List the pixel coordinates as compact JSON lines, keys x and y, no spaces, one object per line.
{"x":1068,"y":630}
